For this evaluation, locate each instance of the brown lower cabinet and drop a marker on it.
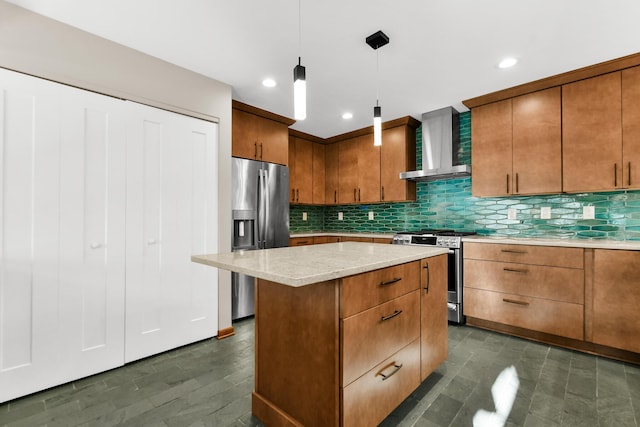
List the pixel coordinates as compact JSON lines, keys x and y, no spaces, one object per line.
{"x":578,"y":298}
{"x":315,"y":240}
{"x":347,"y":352}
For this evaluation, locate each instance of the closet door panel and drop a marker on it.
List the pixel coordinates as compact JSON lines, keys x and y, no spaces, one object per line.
{"x":29,"y":236}
{"x":92,"y":224}
{"x":172,"y":199}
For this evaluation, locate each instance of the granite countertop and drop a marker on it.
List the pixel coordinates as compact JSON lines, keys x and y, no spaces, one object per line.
{"x":631,"y":245}
{"x":304,"y":265}
{"x":342,"y":234}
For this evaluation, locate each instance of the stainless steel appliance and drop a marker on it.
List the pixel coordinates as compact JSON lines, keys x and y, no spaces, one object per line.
{"x":446,"y":239}
{"x":260,"y":204}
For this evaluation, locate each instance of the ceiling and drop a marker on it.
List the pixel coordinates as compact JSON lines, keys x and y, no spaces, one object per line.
{"x":440,"y":52}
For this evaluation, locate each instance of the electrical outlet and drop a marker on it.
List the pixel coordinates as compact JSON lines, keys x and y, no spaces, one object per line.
{"x":340,"y":216}
{"x":370,"y":215}
{"x":304,"y":216}
{"x":545,"y":212}
{"x":588,"y":212}
{"x":512,"y":213}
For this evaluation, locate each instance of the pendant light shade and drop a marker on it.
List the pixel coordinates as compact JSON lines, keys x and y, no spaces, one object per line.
{"x":377,"y":126}
{"x":299,"y":92}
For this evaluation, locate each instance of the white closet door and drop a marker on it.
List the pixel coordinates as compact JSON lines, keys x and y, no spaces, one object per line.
{"x":92,"y":227}
{"x":29,"y":236}
{"x":171,"y":215}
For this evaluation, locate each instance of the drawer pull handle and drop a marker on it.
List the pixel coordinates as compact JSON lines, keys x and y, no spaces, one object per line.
{"x":515,"y":270}
{"x":395,"y":370}
{"x":391,"y":316}
{"x":513,"y":301}
{"x":513,"y":251}
{"x":391,"y":282}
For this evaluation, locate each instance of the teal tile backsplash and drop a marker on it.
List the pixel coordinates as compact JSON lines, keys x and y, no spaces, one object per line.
{"x":449,"y":204}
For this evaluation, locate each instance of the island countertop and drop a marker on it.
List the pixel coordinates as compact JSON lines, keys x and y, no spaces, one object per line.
{"x":304,"y":265}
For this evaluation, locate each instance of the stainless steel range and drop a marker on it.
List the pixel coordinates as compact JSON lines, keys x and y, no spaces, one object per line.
{"x":446,"y":239}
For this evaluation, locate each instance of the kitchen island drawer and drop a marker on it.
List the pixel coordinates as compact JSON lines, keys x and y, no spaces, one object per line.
{"x":358,"y":293}
{"x":526,"y":254}
{"x":367,"y":401}
{"x":373,"y":335}
{"x":552,"y":317}
{"x":555,"y":283}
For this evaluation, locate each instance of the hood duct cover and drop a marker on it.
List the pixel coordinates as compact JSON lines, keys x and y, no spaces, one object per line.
{"x":440,"y":147}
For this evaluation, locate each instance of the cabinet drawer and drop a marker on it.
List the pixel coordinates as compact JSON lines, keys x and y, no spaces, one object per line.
{"x":372,"y":335}
{"x":524,"y":254}
{"x":553,"y":317}
{"x":372,"y":397}
{"x":367,"y":290}
{"x":554,"y":283}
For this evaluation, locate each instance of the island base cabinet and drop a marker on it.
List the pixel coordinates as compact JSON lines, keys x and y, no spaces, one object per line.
{"x":346,"y":352}
{"x":369,"y":399}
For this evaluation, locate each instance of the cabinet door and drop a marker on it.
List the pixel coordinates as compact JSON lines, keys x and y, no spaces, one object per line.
{"x":434,"y":346}
{"x":348,"y":166}
{"x":616,"y":298}
{"x":171,"y":182}
{"x":537,"y":145}
{"x":293,"y":183}
{"x":244,"y":135}
{"x":631,"y":128}
{"x":491,"y":150}
{"x":592,"y":134}
{"x":397,"y":154}
{"x":331,"y":161}
{"x":302,"y":171}
{"x":273,"y":141}
{"x":318,"y":174}
{"x":368,"y":170}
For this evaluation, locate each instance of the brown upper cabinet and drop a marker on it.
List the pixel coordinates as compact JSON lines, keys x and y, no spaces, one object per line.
{"x":592,"y":133}
{"x":259,"y":135}
{"x":600,"y":133}
{"x":331,"y":177}
{"x":300,"y":170}
{"x":369,"y":174}
{"x":631,"y":128}
{"x":359,"y":170}
{"x":516,"y":145}
{"x":397,"y":155}
{"x":306,"y":169}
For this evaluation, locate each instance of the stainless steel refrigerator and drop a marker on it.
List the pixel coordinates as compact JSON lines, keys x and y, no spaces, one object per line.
{"x":260,"y":203}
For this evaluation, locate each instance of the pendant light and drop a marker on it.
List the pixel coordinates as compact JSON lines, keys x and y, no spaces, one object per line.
{"x":376,"y":40}
{"x":299,"y":80}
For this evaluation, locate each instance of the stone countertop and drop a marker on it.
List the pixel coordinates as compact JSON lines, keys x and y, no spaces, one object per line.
{"x":304,"y":265}
{"x":342,"y":234}
{"x":631,"y":245}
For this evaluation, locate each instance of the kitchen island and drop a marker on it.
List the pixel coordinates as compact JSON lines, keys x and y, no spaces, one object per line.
{"x":344,"y":331}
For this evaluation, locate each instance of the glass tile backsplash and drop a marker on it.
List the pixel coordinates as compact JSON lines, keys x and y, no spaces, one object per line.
{"x":449,"y":204}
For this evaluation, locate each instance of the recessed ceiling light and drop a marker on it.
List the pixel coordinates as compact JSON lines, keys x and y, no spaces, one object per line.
{"x":268,"y":83}
{"x":508,"y":62}
{"x":347,"y":116}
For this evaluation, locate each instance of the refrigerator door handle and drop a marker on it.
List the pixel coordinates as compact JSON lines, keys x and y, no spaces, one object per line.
{"x":260,"y":210}
{"x":267,"y":208}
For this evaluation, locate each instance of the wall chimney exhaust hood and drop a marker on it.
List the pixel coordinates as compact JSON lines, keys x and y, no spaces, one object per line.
{"x":440,"y":147}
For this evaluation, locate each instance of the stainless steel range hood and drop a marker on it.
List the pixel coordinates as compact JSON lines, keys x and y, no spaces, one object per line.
{"x":440,"y":147}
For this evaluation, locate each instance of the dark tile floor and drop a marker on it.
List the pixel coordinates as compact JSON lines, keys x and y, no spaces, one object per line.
{"x":209,"y":384}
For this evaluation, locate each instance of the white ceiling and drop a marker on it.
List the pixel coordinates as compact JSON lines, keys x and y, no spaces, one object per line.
{"x":441,"y":51}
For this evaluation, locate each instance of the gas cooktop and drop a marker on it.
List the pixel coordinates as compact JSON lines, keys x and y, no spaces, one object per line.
{"x":437,"y":232}
{"x":442,"y":237}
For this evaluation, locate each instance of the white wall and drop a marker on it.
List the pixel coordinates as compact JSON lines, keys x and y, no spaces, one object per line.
{"x":36,"y":45}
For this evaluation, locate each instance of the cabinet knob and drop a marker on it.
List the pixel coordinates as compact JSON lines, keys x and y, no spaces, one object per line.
{"x":96,"y":245}
{"x":151,"y":242}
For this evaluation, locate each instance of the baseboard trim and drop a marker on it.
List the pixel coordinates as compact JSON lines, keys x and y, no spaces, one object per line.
{"x":226,"y":333}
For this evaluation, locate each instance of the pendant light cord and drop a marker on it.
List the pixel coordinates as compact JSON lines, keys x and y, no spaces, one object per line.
{"x":299,"y":29}
{"x":377,"y":76}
